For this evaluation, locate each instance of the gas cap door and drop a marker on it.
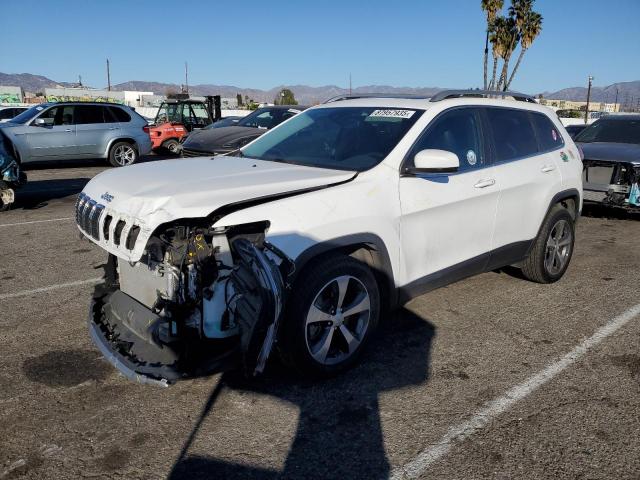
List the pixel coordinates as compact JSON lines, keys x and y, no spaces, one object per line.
{"x":258,"y":285}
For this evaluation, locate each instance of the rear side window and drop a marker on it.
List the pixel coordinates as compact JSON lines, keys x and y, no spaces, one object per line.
{"x":88,"y":114}
{"x":120,"y":114}
{"x":512,"y":133}
{"x":548,"y":136}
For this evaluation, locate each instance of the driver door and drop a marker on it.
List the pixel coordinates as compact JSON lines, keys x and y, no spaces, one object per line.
{"x":447,"y":219}
{"x":56,"y":140}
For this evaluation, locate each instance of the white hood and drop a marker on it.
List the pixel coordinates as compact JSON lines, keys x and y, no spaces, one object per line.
{"x":154,"y":193}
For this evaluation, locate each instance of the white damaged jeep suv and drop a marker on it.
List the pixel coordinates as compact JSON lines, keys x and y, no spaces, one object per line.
{"x":306,"y":236}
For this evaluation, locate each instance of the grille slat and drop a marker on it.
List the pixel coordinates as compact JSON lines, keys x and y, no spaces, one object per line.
{"x":88,"y":213}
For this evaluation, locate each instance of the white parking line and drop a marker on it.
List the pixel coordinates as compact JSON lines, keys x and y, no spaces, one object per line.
{"x":23,"y":293}
{"x":492,"y":409}
{"x":36,"y":221}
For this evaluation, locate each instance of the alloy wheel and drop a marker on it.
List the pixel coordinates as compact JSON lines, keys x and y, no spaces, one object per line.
{"x":337,"y":320}
{"x":124,"y":155}
{"x":558,"y":249}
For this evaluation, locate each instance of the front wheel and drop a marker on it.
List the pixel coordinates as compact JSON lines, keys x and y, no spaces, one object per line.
{"x":334,"y":310}
{"x":123,"y":154}
{"x":552,"y":249}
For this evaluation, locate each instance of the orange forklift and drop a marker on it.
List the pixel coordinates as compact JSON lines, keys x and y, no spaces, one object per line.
{"x":178,"y":116}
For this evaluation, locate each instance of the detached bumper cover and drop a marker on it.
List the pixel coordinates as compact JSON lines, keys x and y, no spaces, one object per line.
{"x":127,"y":333}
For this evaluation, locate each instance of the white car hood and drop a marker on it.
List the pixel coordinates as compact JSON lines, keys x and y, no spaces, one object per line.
{"x":154,"y":193}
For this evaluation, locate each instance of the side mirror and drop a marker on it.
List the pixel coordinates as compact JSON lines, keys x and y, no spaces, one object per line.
{"x":434,"y":161}
{"x":43,"y":122}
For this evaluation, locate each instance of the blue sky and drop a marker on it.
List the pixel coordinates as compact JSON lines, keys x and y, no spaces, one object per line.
{"x":263,"y":44}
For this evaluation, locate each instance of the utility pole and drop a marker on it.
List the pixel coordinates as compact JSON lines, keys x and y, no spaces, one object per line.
{"x":349,"y":83}
{"x":615,"y":105}
{"x":186,"y":77}
{"x":108,"y":76}
{"x":586,"y":113}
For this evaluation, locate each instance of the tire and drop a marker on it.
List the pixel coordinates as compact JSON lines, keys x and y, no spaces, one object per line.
{"x":171,"y":147}
{"x":4,"y":206}
{"x":306,"y":330}
{"x":552,"y":249}
{"x":123,"y":154}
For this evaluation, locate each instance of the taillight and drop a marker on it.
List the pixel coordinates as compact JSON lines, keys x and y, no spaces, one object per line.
{"x":146,"y":129}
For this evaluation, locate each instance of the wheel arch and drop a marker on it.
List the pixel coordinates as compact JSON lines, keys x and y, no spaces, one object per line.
{"x":128,"y":140}
{"x":569,"y":199}
{"x":365,"y":247}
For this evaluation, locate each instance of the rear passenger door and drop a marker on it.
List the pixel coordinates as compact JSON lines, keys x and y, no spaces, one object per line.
{"x":94,"y":128}
{"x":527,"y":173}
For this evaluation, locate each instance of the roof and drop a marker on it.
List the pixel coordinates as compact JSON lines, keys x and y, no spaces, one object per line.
{"x":80,"y":102}
{"x":622,"y":116}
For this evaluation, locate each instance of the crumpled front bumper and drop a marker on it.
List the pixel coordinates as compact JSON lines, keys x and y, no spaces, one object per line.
{"x":126,"y":333}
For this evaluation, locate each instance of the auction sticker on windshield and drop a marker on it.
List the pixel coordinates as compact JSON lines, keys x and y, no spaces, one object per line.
{"x":392,"y":113}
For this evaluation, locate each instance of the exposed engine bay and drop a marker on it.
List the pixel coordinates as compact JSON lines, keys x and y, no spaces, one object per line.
{"x":611,"y":183}
{"x":199,"y":300}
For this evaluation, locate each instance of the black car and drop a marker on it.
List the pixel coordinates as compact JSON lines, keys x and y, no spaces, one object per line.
{"x":611,"y":148}
{"x":221,"y":140}
{"x":574,"y":130}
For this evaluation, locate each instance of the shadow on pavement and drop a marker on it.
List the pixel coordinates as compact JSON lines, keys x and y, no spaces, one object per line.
{"x":339,"y":431}
{"x":595,"y":210}
{"x":37,"y":193}
{"x":86,"y":162}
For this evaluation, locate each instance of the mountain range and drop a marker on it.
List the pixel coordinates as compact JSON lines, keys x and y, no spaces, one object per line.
{"x":626,"y":91}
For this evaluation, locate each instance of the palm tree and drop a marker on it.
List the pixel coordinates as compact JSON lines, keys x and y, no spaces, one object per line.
{"x":492,"y":7}
{"x":530,"y":28}
{"x":508,"y":40}
{"x":495,"y":36}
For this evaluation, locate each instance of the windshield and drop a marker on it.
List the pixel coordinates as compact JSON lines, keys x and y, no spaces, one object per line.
{"x":615,"y":131}
{"x":343,"y":138}
{"x":27,"y":115}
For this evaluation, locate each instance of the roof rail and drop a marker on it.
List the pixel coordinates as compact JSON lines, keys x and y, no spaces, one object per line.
{"x":376,"y":95}
{"x":446,"y":94}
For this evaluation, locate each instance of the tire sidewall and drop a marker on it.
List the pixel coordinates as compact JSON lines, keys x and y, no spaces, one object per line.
{"x":555,"y":216}
{"x":112,"y":154}
{"x":292,"y":340}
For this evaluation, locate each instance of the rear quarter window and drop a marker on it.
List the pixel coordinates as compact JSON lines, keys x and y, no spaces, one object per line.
{"x":512,"y":133}
{"x":120,"y":114}
{"x":549,"y":137}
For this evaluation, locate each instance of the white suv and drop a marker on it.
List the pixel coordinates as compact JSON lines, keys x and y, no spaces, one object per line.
{"x":319,"y":226}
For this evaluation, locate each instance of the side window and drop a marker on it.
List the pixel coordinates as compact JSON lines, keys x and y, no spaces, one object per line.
{"x":512,"y":132}
{"x":187,"y":116}
{"x":548,"y":136}
{"x":88,"y":114}
{"x":457,"y":131}
{"x":6,"y":113}
{"x":120,"y":114}
{"x":61,"y":115}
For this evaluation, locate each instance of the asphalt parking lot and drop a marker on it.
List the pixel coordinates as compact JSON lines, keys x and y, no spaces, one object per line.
{"x":492,"y":377}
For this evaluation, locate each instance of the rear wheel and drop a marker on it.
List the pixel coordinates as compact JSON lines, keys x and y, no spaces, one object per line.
{"x":334,"y":310}
{"x":552,"y":250}
{"x":123,"y":154}
{"x":171,"y":146}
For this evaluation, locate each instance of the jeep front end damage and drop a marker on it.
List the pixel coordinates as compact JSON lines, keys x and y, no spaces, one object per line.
{"x":200,"y":300}
{"x":612,"y":183}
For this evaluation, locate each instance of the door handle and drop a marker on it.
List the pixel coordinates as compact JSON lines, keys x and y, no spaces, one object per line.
{"x":485,"y":183}
{"x":68,"y":130}
{"x":547,"y":168}
{"x":113,"y":128}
